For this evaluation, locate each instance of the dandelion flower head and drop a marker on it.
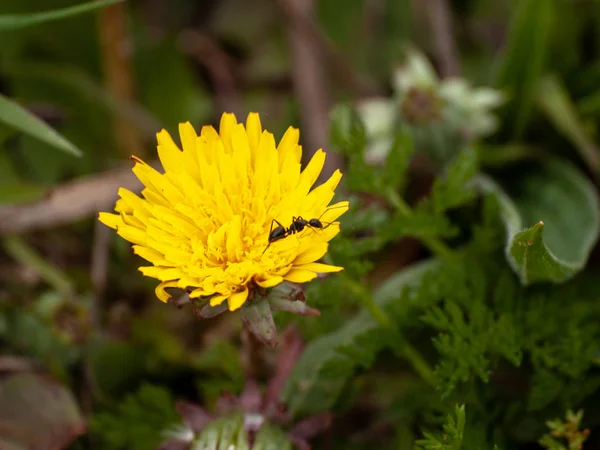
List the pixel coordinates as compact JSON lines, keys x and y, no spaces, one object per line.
{"x":204,"y":224}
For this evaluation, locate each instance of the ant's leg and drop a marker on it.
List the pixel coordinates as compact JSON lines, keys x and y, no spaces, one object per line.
{"x":266,"y":248}
{"x":270,"y":231}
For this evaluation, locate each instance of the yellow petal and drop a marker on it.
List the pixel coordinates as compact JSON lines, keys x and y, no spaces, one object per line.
{"x":317,"y":251}
{"x":299,"y":275}
{"x":319,"y":197}
{"x":236,"y":300}
{"x":162,"y":273}
{"x":132,"y":234}
{"x":132,"y":221}
{"x":270,"y":282}
{"x":133,"y":204}
{"x":319,"y":268}
{"x":148,"y":254}
{"x":168,"y":152}
{"x":311,"y":173}
{"x":151,"y":178}
{"x":199,"y":292}
{"x":216,"y":300}
{"x":160,"y":290}
{"x":190,"y":155}
{"x":110,"y":220}
{"x":288,"y":147}
{"x":254,"y":130}
{"x":228,"y":122}
{"x":188,"y":137}
{"x":234,"y":241}
{"x":242,"y":160}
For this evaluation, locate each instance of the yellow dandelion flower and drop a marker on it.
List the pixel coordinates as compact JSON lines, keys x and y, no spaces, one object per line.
{"x":204,"y":224}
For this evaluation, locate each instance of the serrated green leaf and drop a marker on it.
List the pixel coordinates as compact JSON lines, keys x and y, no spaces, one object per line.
{"x":452,"y":437}
{"x":453,"y":189}
{"x":309,"y":390}
{"x":555,"y":102}
{"x":552,"y":221}
{"x":394,"y":170}
{"x":20,"y":119}
{"x":18,"y":21}
{"x":524,"y":60}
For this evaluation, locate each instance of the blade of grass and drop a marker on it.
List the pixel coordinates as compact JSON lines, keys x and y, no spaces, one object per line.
{"x":10,"y":22}
{"x":76,"y":79}
{"x":555,"y":102}
{"x":524,"y":60}
{"x":17,"y":117}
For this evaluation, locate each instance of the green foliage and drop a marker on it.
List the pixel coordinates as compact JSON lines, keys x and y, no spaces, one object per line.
{"x":137,"y":423}
{"x":569,"y":430}
{"x":452,"y":437}
{"x":348,"y":136}
{"x":451,"y":190}
{"x":428,"y":218}
{"x":327,"y":363}
{"x":221,"y":362}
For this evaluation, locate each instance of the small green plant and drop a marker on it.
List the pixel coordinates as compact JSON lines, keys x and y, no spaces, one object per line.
{"x":452,"y":436}
{"x":565,"y":430}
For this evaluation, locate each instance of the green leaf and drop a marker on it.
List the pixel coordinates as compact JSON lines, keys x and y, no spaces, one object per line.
{"x":20,"y":119}
{"x":17,"y":21}
{"x":37,"y":412}
{"x":453,"y":188}
{"x":319,"y":377}
{"x":552,"y":220}
{"x":554,"y":101}
{"x":524,"y":60}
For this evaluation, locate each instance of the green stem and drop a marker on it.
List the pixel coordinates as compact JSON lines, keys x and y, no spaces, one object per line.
{"x":434,"y":244}
{"x":400,"y":346}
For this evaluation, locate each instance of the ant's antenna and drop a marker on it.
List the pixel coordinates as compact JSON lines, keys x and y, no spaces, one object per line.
{"x":333,"y":207}
{"x":346,"y":204}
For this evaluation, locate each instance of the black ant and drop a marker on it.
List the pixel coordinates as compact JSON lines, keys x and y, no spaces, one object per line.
{"x":298,"y":225}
